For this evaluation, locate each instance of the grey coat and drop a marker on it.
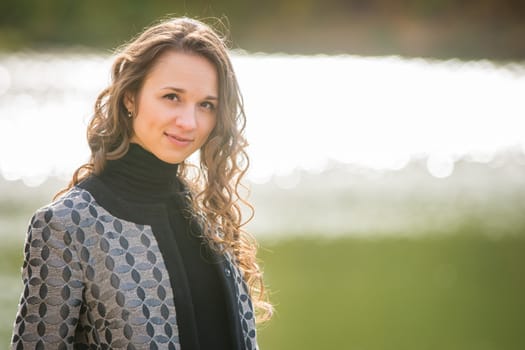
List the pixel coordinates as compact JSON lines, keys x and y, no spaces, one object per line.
{"x":92,"y":280}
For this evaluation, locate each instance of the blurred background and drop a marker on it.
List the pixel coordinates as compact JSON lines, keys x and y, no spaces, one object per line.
{"x":387,"y":148}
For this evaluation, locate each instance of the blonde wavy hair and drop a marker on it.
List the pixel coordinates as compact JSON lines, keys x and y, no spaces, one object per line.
{"x":215,"y":182}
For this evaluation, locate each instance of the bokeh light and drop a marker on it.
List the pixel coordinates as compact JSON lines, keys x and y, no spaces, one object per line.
{"x":304,"y":112}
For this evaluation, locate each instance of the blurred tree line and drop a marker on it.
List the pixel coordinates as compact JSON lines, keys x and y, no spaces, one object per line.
{"x":429,"y":28}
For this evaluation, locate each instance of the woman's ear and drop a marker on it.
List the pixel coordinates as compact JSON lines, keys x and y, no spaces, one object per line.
{"x":129,"y":102}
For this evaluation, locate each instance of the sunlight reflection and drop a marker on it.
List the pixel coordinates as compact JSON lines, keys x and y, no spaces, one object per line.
{"x":304,"y":112}
{"x":5,"y":80}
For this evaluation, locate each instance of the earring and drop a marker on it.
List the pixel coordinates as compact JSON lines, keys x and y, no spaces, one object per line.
{"x":130,"y":115}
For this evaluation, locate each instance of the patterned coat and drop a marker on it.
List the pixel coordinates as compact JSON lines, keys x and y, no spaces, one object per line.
{"x":95,"y":281}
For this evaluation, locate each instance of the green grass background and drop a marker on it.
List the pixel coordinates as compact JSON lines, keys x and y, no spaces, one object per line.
{"x":458,"y":291}
{"x":445,"y":292}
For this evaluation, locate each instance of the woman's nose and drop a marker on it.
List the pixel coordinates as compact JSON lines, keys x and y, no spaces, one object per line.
{"x":186,"y":117}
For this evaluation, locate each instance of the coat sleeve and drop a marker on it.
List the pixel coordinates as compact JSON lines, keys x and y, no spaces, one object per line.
{"x":49,"y":307}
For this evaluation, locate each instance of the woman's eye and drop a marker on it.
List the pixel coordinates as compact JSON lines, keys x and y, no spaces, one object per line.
{"x":172,"y":97}
{"x":208,"y":105}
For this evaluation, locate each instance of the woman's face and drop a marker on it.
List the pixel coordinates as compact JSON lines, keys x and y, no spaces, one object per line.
{"x":177,"y":106}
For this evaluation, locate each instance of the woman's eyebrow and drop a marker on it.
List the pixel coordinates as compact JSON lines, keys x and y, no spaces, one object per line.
{"x":174,"y":88}
{"x":182,"y":91}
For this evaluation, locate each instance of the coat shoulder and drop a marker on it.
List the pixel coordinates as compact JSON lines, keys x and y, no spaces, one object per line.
{"x":64,"y":211}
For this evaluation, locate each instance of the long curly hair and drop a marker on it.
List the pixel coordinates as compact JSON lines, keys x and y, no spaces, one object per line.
{"x":216,"y":181}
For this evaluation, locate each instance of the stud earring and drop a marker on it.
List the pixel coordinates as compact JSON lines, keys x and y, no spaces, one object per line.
{"x":130,"y":115}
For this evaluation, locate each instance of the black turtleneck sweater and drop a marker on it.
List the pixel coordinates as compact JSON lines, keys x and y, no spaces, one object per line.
{"x":143,"y":189}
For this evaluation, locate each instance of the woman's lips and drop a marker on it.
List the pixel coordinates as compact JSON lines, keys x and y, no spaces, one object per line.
{"x":178,"y":140}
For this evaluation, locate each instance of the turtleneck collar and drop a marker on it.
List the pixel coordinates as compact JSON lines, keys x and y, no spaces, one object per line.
{"x":141,"y":176}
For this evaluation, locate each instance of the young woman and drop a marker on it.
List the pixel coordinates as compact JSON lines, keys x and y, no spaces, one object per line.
{"x":143,"y":250}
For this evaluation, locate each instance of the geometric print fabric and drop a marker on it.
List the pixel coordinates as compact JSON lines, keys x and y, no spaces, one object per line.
{"x":90,"y":278}
{"x":96,"y":281}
